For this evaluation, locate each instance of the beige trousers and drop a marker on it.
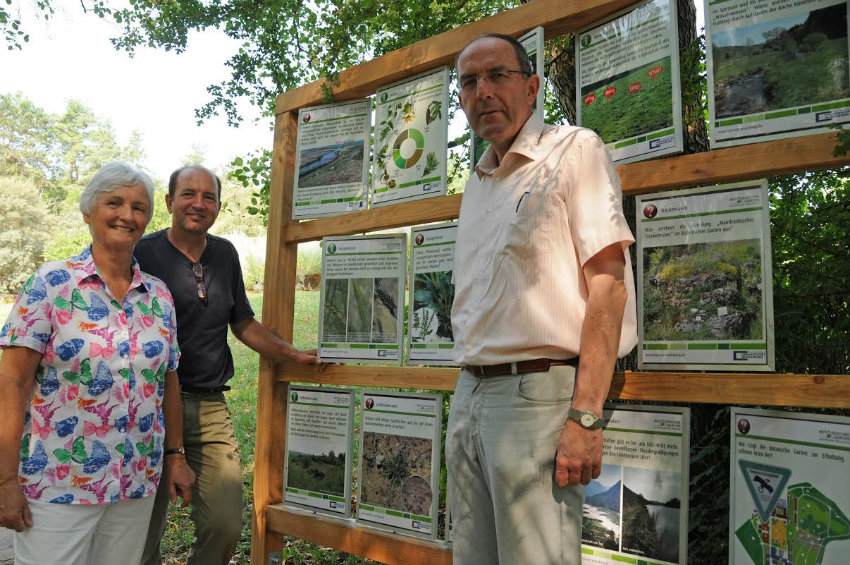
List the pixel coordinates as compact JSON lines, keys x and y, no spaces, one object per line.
{"x":500,"y":454}
{"x":211,"y":452}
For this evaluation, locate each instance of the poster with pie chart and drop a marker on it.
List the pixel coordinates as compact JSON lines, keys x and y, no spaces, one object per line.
{"x":409,"y":159}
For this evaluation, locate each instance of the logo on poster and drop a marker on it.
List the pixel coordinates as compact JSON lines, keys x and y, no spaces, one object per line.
{"x":306,"y":118}
{"x":748,"y":355}
{"x":744,"y":426}
{"x":650,"y":210}
{"x":370,"y":403}
{"x":420,"y":239}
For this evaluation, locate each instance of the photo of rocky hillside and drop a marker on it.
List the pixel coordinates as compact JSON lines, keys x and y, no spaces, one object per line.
{"x":703,"y":291}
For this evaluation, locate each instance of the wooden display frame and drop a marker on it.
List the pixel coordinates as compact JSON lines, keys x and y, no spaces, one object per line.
{"x":271,"y":519}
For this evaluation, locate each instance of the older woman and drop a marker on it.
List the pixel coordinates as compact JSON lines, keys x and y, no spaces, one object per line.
{"x":88,"y":386}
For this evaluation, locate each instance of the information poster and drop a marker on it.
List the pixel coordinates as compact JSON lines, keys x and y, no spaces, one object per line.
{"x":628,"y":75}
{"x":332,"y":151}
{"x":705,"y":292}
{"x":533,"y":43}
{"x":362,"y":298}
{"x":411,"y":131}
{"x":776,"y":68}
{"x":430,"y":337}
{"x":637,"y":510}
{"x":400,"y":461}
{"x":319,"y":432}
{"x":789,"y":497}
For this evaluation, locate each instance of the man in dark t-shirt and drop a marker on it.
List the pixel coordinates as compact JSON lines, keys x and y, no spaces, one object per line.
{"x":203,"y":274}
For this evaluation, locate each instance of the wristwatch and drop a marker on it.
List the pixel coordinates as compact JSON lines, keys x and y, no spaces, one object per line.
{"x":587,"y":420}
{"x":174,"y":451}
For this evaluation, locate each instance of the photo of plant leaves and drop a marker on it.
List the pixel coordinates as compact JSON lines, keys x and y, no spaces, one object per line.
{"x":707,"y":291}
{"x":433,"y":294}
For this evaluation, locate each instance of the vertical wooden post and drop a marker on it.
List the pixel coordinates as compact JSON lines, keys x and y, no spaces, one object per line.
{"x":278,"y":315}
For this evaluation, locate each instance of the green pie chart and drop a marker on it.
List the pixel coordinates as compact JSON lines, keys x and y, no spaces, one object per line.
{"x":408,"y":148}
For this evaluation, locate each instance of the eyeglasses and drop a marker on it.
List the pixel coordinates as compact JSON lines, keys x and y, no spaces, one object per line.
{"x":469,"y":83}
{"x":198,"y":271}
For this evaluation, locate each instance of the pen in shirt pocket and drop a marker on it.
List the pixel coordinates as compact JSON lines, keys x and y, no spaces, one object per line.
{"x":520,"y":201}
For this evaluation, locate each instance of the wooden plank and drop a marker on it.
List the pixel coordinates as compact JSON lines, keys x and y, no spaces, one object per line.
{"x":557,"y":17}
{"x":722,"y":165}
{"x":428,"y":378}
{"x":435,"y":209}
{"x":278,"y":315}
{"x":780,"y":157}
{"x":770,"y":389}
{"x":347,"y":536}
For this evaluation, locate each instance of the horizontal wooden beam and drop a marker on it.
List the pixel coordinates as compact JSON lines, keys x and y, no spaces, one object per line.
{"x":557,"y":17}
{"x":346,"y":535}
{"x":744,"y":162}
{"x":769,"y":389}
{"x":721,"y":165}
{"x":427,"y":378}
{"x":435,"y":209}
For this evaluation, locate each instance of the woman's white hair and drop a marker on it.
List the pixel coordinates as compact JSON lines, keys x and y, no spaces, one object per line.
{"x":112,"y":176}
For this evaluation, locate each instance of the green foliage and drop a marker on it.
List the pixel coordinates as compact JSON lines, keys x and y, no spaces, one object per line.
{"x":253,"y":273}
{"x":309,"y":263}
{"x":22,"y":221}
{"x":810,"y":227}
{"x":253,"y":172}
{"x":56,"y":151}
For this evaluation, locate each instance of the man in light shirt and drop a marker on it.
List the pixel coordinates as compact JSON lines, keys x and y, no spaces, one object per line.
{"x":542,"y":279}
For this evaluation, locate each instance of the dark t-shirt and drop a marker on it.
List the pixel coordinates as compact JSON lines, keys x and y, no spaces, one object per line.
{"x":201,"y":327}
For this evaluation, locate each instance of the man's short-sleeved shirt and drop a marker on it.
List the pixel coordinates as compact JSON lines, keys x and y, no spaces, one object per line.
{"x":527,"y":226}
{"x":94,"y":428}
{"x":205,"y":360}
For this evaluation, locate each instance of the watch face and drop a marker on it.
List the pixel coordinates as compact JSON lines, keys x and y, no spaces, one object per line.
{"x":587,"y":420}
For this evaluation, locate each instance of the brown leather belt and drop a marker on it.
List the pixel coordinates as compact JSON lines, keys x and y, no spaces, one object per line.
{"x":531,"y":366}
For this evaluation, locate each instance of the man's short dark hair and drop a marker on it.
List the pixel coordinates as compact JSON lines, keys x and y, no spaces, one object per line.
{"x":521,"y":54}
{"x":172,"y":180}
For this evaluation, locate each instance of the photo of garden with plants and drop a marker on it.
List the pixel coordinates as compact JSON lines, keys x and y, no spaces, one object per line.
{"x":396,"y":472}
{"x":792,"y":61}
{"x":635,"y":102}
{"x":709,"y":291}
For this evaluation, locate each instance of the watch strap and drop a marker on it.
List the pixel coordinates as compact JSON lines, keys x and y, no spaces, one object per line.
{"x":174,"y":451}
{"x":582,"y":417}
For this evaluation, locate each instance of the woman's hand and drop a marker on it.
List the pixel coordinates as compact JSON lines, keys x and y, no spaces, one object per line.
{"x":179,"y":479}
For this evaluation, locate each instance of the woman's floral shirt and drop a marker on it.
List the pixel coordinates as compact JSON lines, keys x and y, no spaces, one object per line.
{"x":94,"y":429}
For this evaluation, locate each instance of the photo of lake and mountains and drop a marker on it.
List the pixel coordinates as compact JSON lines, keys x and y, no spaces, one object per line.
{"x":634,"y":511}
{"x":791,"y":61}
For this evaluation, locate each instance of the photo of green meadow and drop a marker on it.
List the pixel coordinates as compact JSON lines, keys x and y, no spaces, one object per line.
{"x":630,"y":104}
{"x":322,"y":472}
{"x":783,"y":63}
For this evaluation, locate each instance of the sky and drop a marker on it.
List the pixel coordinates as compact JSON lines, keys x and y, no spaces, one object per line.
{"x":155,"y":93}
